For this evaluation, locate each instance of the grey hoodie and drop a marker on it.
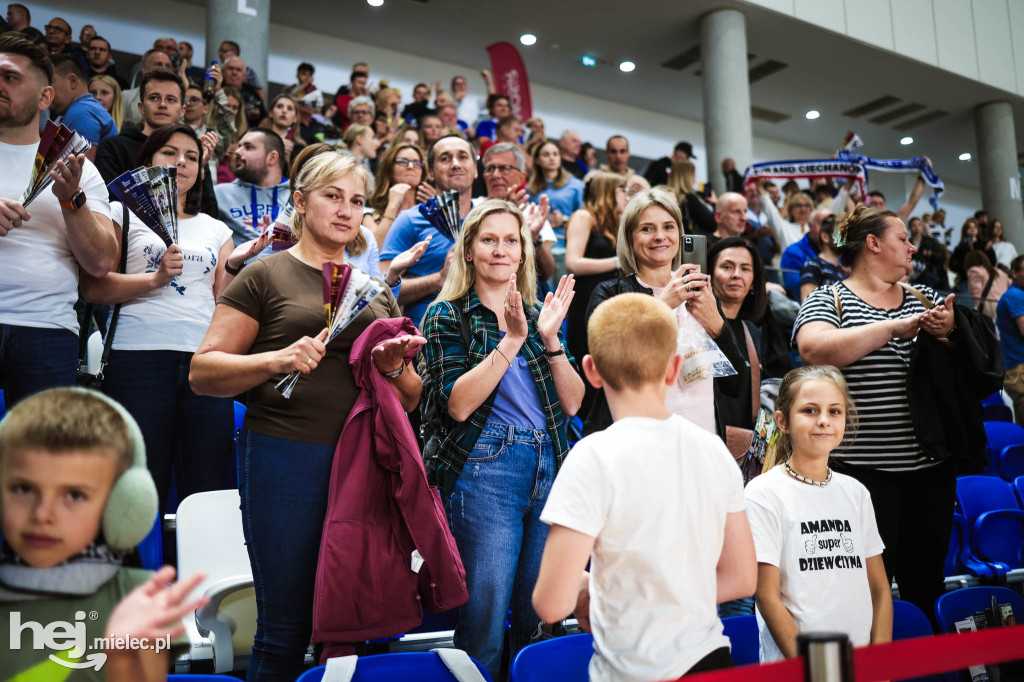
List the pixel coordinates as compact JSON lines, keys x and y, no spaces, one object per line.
{"x":237,"y":200}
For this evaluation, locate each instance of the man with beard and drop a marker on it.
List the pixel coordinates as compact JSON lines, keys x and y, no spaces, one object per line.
{"x":42,"y":248}
{"x":250,"y":203}
{"x":505,"y":177}
{"x":452,"y":166}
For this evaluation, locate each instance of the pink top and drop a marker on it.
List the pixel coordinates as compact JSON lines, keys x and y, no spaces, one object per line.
{"x":694,"y":400}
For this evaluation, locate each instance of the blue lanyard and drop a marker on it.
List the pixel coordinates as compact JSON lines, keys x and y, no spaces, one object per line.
{"x":255,"y":211}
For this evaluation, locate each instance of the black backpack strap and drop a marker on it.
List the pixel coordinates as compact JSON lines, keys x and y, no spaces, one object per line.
{"x":108,"y":341}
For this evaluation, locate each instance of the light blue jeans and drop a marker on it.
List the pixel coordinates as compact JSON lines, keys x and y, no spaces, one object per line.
{"x":494,"y":514}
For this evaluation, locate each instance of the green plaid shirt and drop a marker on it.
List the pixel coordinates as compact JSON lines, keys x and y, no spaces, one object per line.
{"x":447,"y":359}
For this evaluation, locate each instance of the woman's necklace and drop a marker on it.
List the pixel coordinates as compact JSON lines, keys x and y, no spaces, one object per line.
{"x":808,"y":481}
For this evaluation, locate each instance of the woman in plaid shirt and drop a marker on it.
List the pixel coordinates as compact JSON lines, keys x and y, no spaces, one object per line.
{"x":504,"y":400}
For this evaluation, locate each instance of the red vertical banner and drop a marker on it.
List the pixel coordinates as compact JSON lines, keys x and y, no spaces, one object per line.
{"x":510,"y":78}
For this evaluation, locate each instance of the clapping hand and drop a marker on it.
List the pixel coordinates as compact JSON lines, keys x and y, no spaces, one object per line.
{"x":556,"y":305}
{"x":249,"y":249}
{"x":408,"y":258}
{"x":209,"y":141}
{"x":536,"y":215}
{"x":515,"y":317}
{"x":390,"y":355}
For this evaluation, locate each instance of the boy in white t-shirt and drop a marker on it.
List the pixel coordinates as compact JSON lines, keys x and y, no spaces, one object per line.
{"x":656,"y":504}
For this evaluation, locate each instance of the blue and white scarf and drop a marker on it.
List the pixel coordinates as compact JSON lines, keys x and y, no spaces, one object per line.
{"x":918,"y":164}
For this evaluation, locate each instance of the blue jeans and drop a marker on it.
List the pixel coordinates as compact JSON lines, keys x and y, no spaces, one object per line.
{"x":494,"y":514}
{"x":33,"y":359}
{"x":283,"y":485}
{"x":191,"y":435}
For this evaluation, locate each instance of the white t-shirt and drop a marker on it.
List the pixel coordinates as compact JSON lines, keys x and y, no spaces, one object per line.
{"x":174,"y":317}
{"x":654,"y":494}
{"x":38,"y":272}
{"x":820,"y":539}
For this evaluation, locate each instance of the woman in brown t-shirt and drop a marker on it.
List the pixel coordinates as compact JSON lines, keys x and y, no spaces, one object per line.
{"x":270,"y":322}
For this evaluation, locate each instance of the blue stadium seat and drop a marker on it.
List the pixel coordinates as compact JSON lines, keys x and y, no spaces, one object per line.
{"x":151,"y":549}
{"x":995,"y":520}
{"x":909,"y":622}
{"x":239,"y":418}
{"x":1018,"y":486}
{"x":959,"y":539}
{"x":959,"y":604}
{"x":996,"y":413}
{"x":1000,"y":435}
{"x":994,"y":399}
{"x":3,"y":407}
{"x":566,"y":659}
{"x":743,"y":638}
{"x":1010,"y":463}
{"x":423,"y":666}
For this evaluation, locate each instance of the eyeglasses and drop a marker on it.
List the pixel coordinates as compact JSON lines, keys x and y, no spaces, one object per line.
{"x":408,"y":163}
{"x":360,"y":112}
{"x":499,"y":169}
{"x":55,"y":27}
{"x":194,"y":100}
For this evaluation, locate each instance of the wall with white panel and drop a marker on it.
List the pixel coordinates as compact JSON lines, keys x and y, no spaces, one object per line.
{"x":978,"y":39}
{"x":132,"y":27}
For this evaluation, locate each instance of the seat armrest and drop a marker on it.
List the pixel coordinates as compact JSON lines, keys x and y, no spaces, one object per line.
{"x":217,"y":630}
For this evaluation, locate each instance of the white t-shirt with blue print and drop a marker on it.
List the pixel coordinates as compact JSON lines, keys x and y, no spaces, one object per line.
{"x":176,"y":316}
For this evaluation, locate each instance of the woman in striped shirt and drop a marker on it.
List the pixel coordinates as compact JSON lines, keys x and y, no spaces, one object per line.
{"x":866,"y":326}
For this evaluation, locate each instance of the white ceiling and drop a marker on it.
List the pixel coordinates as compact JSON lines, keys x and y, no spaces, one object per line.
{"x":826,"y":71}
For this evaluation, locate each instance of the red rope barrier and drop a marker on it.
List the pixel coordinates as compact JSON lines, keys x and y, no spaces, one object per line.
{"x":930,"y":655}
{"x":896,"y":660}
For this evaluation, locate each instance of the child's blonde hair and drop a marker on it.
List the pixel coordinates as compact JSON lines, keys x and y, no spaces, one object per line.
{"x":781,"y":447}
{"x":63,"y":420}
{"x":632,"y":338}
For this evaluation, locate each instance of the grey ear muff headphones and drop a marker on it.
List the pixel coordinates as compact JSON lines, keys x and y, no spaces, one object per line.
{"x":132,"y":506}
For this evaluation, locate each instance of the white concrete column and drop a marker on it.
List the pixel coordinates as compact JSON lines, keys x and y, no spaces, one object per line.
{"x":997,"y":168}
{"x":727,"y":132}
{"x":247,"y":22}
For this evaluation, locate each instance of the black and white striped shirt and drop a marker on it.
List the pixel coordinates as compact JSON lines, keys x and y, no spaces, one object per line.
{"x":885,"y":439}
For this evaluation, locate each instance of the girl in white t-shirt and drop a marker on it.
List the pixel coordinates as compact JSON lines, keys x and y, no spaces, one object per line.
{"x":167,"y":299}
{"x":819,"y":555}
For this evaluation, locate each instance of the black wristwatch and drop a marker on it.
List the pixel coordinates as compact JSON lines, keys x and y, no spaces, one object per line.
{"x":232,"y":271}
{"x":554,"y":353}
{"x":76,"y":201}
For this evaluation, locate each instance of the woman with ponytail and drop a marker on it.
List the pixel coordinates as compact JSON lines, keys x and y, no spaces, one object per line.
{"x":867,"y":325}
{"x":819,"y":554}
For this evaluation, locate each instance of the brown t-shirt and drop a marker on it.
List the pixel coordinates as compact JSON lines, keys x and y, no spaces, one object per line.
{"x":285,"y":296}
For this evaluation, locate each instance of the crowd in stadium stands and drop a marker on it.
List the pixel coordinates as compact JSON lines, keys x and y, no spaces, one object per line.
{"x":637,"y":315}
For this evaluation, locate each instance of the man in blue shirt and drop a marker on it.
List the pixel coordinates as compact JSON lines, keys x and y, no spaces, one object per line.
{"x":1010,"y":321}
{"x":80,"y":111}
{"x":451,"y":164}
{"x":797,"y":253}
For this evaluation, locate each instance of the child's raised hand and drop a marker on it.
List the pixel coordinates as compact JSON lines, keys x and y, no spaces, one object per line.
{"x":154,"y":609}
